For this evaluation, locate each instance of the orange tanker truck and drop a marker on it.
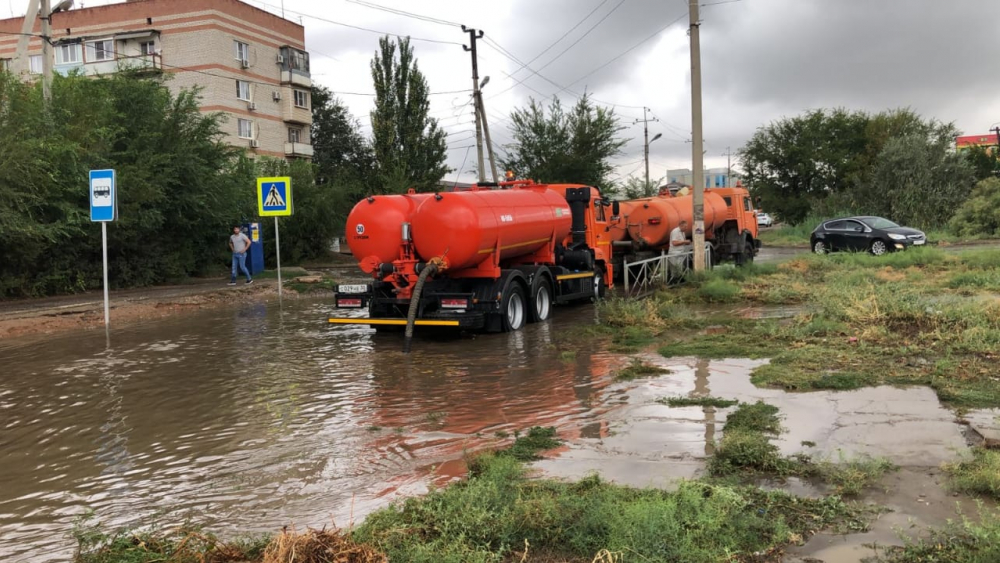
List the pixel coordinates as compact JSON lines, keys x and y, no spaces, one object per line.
{"x":644,"y":225}
{"x":492,"y":257}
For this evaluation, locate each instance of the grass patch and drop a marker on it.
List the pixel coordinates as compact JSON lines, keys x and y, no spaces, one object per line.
{"x":567,"y":356}
{"x":964,"y":541}
{"x":500,"y":515}
{"x":746,"y":449}
{"x":719,"y":291}
{"x":187,"y":544}
{"x":527,"y":447}
{"x":977,"y":475}
{"x":697,"y":402}
{"x":325,"y":286}
{"x":638,"y":369}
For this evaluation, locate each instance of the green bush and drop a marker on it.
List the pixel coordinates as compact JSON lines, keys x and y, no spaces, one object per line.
{"x":980,"y":214}
{"x":719,"y":291}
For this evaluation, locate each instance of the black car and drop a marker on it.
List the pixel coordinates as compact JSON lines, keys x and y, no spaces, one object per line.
{"x":871,"y":234}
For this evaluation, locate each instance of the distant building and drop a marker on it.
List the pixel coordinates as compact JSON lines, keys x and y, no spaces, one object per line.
{"x":988,"y":140}
{"x":250,"y":64}
{"x":714,"y":177}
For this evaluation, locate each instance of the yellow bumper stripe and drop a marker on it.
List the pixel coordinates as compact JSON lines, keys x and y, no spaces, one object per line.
{"x":390,"y":322}
{"x":575,"y":276}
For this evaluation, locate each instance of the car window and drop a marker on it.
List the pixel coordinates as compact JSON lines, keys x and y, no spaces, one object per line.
{"x":835,"y":226}
{"x":880,"y":223}
{"x":746,"y":204}
{"x":854,"y":226}
{"x":728,"y":200}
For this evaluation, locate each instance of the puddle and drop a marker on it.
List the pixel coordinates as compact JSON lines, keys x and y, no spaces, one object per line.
{"x":652,"y":444}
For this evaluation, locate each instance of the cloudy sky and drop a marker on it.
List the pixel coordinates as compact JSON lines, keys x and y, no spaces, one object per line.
{"x":761,"y":60}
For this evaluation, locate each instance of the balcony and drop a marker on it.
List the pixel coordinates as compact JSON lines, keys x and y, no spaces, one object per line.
{"x":292,"y":113}
{"x":298,"y":150}
{"x":296,"y":78}
{"x":141,"y":63}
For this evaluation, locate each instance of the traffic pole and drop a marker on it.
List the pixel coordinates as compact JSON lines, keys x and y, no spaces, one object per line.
{"x":104,"y":244}
{"x":277,"y":253}
{"x":697,"y":150}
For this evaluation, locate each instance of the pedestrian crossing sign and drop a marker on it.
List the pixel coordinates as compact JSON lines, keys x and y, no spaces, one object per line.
{"x":274,"y":196}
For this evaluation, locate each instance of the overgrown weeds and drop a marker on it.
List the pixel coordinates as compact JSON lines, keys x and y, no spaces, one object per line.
{"x":962,"y":541}
{"x":697,"y":402}
{"x":979,"y":474}
{"x":638,"y":369}
{"x":184,"y":544}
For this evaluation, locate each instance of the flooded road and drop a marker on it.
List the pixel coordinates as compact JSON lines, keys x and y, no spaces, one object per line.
{"x":248,"y":418}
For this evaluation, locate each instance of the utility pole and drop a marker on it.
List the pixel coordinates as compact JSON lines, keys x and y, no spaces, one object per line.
{"x":997,"y":131}
{"x":473,"y":36}
{"x":21,"y":60}
{"x":481,"y":111}
{"x":645,"y":147}
{"x":697,"y":153}
{"x":729,"y":167}
{"x":47,"y":50}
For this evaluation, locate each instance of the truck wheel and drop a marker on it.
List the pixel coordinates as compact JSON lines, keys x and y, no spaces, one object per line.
{"x":541,"y":302}
{"x":513,"y":309}
{"x":598,"y":283}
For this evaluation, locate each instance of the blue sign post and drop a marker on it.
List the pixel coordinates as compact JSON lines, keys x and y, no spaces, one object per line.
{"x":103,"y":209}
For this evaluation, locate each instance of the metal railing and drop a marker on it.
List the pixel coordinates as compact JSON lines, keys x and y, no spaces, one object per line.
{"x":641,"y":276}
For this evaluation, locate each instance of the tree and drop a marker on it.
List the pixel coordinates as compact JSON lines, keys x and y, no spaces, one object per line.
{"x":979,"y":216}
{"x":793,"y":163}
{"x":633,"y":187}
{"x":985,"y":161}
{"x":558,"y":147}
{"x":918,"y":181}
{"x":410,"y":148}
{"x":343,"y":158}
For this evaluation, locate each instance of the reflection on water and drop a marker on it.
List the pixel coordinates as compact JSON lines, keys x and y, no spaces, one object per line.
{"x":248,"y":418}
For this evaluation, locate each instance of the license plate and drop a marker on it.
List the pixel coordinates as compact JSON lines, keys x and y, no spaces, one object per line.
{"x":918,"y":242}
{"x":352,"y":289}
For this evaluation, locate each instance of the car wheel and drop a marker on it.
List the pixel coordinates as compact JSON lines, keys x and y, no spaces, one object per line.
{"x":879,"y":248}
{"x":819,"y":247}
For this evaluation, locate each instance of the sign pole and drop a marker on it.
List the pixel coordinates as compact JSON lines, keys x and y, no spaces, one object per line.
{"x":277,"y":251}
{"x":104,"y":241}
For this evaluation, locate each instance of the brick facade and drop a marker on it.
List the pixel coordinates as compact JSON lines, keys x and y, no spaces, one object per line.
{"x":193,"y":43}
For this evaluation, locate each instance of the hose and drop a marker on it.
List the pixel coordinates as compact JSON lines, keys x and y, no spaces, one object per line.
{"x":418,"y":288}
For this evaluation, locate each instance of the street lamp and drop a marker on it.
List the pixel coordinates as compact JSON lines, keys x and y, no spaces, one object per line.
{"x":647,"y":191}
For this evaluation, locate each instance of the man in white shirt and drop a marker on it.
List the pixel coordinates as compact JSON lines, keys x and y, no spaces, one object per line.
{"x":678,"y":250}
{"x":239,"y":243}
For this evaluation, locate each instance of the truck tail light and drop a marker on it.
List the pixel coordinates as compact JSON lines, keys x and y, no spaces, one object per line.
{"x":654,"y":221}
{"x":349,"y":302}
{"x":454,"y":303}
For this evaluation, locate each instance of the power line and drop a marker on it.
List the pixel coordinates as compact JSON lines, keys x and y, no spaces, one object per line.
{"x":564,"y":35}
{"x":403,"y":13}
{"x":627,"y":51}
{"x":358,"y":27}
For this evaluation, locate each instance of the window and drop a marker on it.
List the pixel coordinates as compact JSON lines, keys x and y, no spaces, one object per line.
{"x":854,"y":226}
{"x":599,"y":211}
{"x":103,"y":50}
{"x":68,"y":53}
{"x":147,"y":48}
{"x":35,"y":64}
{"x":299,"y":60}
{"x":245,"y":128}
{"x":302,"y":99}
{"x":746,"y":204}
{"x":241,"y":51}
{"x":4,"y":64}
{"x":835,"y":226}
{"x":294,"y":134}
{"x":728,"y":200}
{"x":243,"y":90}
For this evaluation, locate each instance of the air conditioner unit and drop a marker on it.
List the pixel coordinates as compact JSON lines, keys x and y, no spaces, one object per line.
{"x":276,"y":96}
{"x":244,"y":63}
{"x":281,"y":59}
{"x":252,"y":106}
{"x":254,"y":143}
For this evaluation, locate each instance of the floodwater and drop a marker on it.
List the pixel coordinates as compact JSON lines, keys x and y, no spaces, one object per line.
{"x":249,"y":418}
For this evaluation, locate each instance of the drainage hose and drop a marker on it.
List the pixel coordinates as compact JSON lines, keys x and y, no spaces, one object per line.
{"x":411,"y":315}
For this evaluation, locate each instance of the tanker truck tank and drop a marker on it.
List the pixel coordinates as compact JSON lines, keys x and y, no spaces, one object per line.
{"x":374,"y":228}
{"x":653,"y":219}
{"x":466,"y":228}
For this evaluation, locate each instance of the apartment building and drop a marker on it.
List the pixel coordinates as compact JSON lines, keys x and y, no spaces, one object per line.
{"x":251,"y":64}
